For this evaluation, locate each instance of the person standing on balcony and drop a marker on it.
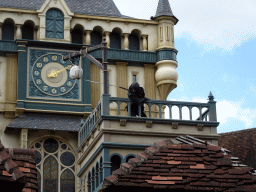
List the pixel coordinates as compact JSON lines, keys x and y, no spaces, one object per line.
{"x":137,"y":96}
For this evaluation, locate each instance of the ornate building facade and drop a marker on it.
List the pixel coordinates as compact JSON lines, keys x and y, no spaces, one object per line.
{"x":43,"y":112}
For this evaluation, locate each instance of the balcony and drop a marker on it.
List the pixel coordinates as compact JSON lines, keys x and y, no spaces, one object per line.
{"x":112,"y":109}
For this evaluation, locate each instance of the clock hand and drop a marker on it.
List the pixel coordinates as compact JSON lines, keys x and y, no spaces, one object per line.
{"x":55,"y":73}
{"x":52,"y":74}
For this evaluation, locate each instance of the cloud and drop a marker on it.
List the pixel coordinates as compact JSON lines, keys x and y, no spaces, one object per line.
{"x":215,"y":24}
{"x":228,"y":112}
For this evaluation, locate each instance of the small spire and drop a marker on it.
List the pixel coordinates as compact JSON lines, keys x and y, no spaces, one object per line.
{"x":210,"y":97}
{"x":164,"y":9}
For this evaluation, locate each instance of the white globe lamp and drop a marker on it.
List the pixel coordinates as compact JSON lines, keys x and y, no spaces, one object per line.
{"x":75,"y":72}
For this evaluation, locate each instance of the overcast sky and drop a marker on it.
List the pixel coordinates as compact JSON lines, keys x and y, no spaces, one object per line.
{"x":217,"y":44}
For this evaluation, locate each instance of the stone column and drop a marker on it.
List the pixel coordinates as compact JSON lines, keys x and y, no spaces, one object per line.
{"x":24,"y":138}
{"x":126,"y":41}
{"x":107,"y":33}
{"x":18,"y":31}
{"x":1,"y":24}
{"x":11,"y":85}
{"x":145,"y":42}
{"x":88,"y":37}
{"x":36,"y":28}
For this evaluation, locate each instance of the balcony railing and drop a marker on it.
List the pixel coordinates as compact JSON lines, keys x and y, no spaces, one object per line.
{"x":155,"y":110}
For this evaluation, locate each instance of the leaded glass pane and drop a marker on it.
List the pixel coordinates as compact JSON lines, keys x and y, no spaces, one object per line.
{"x":67,"y":181}
{"x":67,"y":159}
{"x":50,"y":174}
{"x":38,"y":157}
{"x":51,"y":145}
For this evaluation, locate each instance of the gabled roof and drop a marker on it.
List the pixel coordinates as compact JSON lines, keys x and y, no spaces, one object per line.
{"x":241,"y":144}
{"x":192,"y":166}
{"x":86,"y":7}
{"x":18,"y":165}
{"x":56,"y":122}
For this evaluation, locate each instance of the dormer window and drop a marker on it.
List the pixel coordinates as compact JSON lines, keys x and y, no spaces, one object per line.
{"x":54,"y":24}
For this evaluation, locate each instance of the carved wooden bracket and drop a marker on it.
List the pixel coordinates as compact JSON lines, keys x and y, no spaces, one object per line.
{"x":149,"y":124}
{"x":175,"y":125}
{"x":123,"y":122}
{"x":200,"y":127}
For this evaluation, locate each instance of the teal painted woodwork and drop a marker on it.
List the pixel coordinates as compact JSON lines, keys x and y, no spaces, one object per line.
{"x":127,"y":55}
{"x":8,"y":46}
{"x":22,"y":70}
{"x":54,"y":24}
{"x":166,"y":54}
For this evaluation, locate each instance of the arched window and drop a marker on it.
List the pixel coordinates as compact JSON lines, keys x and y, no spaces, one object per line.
{"x":115,"y":40}
{"x":89,"y":189}
{"x":28,"y":30}
{"x":54,"y":24}
{"x":96,"y":38}
{"x":97,"y":175}
{"x":101,"y":171}
{"x":115,"y":163}
{"x":129,"y":157}
{"x":93,"y":179}
{"x":55,"y":164}
{"x":77,"y":35}
{"x":8,"y":30}
{"x":134,"y":42}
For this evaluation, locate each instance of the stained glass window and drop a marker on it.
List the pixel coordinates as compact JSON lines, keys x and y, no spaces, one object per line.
{"x":38,"y":157}
{"x":67,"y":181}
{"x":67,"y":158}
{"x":51,"y":145}
{"x":55,"y":165}
{"x":50,"y":174}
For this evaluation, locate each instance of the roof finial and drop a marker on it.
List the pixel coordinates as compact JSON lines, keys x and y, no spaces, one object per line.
{"x":210,"y":97}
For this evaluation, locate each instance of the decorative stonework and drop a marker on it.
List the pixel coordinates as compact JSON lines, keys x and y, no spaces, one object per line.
{"x":123,"y":122}
{"x":200,"y":127}
{"x":149,"y":124}
{"x":175,"y":125}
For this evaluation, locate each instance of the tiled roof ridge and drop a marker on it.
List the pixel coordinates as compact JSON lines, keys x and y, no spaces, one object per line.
{"x":193,"y":166}
{"x":126,"y":168}
{"x":239,"y":131}
{"x":10,"y":166}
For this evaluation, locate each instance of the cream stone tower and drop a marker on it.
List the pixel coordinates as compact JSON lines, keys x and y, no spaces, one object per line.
{"x":166,"y":74}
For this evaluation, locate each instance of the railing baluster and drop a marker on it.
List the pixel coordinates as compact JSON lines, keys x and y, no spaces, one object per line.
{"x":160,"y":111}
{"x":149,"y":109}
{"x":118,"y":107}
{"x":190,"y":112}
{"x":170,"y":111}
{"x":200,"y":113}
{"x":180,"y":111}
{"x":139,"y":108}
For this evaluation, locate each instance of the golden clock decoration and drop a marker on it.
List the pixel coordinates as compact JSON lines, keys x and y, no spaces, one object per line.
{"x":50,"y":75}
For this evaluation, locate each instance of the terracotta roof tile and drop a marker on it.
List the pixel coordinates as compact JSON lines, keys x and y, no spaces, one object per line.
{"x":209,"y":168}
{"x":19,"y":165}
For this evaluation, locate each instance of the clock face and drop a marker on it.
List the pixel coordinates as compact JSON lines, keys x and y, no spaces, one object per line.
{"x":49,"y":77}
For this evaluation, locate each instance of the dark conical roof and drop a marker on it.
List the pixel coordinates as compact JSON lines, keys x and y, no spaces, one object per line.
{"x":163,"y":9}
